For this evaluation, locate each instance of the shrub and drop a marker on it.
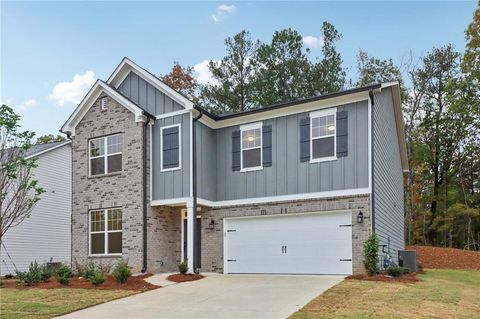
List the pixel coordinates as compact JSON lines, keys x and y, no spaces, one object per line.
{"x":64,"y":275}
{"x":9,"y":276}
{"x":183,"y":267}
{"x":370,"y":254}
{"x":33,"y":275}
{"x":89,"y":270}
{"x":394,"y":271}
{"x":97,"y":278}
{"x":121,"y":272}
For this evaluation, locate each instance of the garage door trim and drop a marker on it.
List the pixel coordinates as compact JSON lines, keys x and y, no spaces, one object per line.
{"x":225,"y":249}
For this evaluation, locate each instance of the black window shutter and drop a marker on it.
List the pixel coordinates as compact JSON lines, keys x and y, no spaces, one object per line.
{"x":235,"y":150}
{"x":267,"y":145}
{"x":170,"y":147}
{"x":342,"y":133}
{"x":305,"y":139}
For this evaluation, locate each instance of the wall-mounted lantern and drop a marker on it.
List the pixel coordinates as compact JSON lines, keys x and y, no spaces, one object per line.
{"x":211,"y":225}
{"x":360,"y":217}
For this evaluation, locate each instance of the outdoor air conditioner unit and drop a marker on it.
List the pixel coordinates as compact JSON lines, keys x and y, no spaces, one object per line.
{"x":408,"y":259}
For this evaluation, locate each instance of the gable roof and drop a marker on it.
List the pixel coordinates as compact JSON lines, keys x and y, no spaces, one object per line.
{"x":39,"y":149}
{"x":93,"y":94}
{"x":126,"y":66}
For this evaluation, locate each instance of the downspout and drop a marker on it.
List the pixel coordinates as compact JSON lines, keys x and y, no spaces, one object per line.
{"x":372,"y":103}
{"x":144,"y":224}
{"x":194,"y":184}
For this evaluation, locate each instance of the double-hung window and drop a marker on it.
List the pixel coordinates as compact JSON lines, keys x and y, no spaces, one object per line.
{"x":106,"y":232}
{"x":251,"y":147}
{"x":106,"y":154}
{"x":171,"y":155}
{"x":323,"y":135}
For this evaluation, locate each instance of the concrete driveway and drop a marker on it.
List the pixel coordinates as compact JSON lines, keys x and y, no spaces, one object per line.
{"x":218,"y":296}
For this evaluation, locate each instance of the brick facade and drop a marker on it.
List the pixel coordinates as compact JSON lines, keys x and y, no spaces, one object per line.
{"x":123,"y":190}
{"x":212,"y":239}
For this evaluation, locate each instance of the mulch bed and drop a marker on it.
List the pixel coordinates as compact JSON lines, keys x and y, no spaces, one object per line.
{"x":407,"y":278}
{"x":446,"y":258}
{"x":135,"y":283}
{"x":184,"y":278}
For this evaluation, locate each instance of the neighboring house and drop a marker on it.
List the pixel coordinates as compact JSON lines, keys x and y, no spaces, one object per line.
{"x":292,"y":188}
{"x":45,"y":235}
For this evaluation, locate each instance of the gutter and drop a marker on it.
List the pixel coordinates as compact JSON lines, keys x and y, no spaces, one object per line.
{"x":194,"y":182}
{"x":144,"y":224}
{"x":372,"y":213}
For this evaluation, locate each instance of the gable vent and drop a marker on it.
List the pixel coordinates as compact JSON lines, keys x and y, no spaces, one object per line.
{"x":104,"y":103}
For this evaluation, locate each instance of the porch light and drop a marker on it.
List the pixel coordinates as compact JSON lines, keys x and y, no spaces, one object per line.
{"x":360,"y":217}
{"x":211,"y":225}
{"x":331,"y":128}
{"x":251,"y":138}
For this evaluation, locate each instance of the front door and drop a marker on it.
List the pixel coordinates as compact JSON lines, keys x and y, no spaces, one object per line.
{"x":198,"y":241}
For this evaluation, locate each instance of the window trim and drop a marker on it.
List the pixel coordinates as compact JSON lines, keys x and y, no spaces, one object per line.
{"x":248,"y":127}
{"x":179,"y":167}
{"x":105,"y":155}
{"x":105,"y":232}
{"x":317,"y":114}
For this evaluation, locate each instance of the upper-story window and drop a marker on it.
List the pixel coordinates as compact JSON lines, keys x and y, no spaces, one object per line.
{"x":106,"y":154}
{"x":323,"y":135}
{"x":251,"y":147}
{"x":170,"y":148}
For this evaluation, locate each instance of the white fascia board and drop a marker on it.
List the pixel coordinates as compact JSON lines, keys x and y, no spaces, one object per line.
{"x":181,"y":201}
{"x":288,"y":110}
{"x":49,"y":149}
{"x":284,"y":198}
{"x":127,"y":66}
{"x":97,"y":89}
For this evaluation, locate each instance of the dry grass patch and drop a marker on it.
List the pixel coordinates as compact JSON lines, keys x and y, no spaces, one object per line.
{"x":47,"y":303}
{"x":439,"y":294}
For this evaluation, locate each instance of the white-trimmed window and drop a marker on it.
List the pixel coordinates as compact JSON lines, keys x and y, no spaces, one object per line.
{"x":323,"y":135}
{"x":105,"y":232}
{"x":251,"y":147}
{"x":105,"y":154}
{"x":170,"y":146}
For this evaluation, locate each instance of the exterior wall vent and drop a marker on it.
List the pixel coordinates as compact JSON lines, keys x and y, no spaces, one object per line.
{"x":104,"y":103}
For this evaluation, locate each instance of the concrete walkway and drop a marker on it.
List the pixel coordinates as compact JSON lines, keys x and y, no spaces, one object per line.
{"x":218,"y":296}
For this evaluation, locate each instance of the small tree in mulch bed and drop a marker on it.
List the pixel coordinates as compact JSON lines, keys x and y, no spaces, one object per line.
{"x":183,"y":267}
{"x":64,"y":275}
{"x":98,"y":278}
{"x":370,"y":254}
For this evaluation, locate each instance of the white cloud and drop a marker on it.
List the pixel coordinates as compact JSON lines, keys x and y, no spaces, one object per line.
{"x":222,"y":12}
{"x":73,"y":91}
{"x":27,"y":104}
{"x":203,"y":74}
{"x":312,"y":42}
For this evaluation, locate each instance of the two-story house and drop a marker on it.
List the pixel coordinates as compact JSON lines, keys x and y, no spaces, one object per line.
{"x":292,"y":188}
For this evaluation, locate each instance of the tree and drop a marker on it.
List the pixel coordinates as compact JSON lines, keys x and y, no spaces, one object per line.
{"x":49,"y":138}
{"x":327,"y":74}
{"x":19,"y":190}
{"x":283,"y":69}
{"x":181,"y":79}
{"x":234,"y":75}
{"x":373,"y":70}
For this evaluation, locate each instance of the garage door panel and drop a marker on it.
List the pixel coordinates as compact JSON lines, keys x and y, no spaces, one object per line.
{"x":314,"y":244}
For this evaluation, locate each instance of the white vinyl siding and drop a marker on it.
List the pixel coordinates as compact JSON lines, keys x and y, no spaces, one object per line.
{"x":45,"y":235}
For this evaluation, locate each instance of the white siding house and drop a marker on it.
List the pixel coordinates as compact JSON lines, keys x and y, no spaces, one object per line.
{"x":46,"y":235}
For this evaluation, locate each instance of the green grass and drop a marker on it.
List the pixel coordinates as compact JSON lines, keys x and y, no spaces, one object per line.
{"x":47,"y":303}
{"x":439,"y":294}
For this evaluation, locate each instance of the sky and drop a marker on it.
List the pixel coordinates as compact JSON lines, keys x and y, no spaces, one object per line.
{"x":52,"y":52}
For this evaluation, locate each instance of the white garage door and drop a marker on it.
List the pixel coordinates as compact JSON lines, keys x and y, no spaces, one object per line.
{"x":313,"y":243}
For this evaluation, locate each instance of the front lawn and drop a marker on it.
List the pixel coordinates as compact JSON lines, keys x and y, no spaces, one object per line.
{"x":47,"y":303}
{"x":439,"y":294}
